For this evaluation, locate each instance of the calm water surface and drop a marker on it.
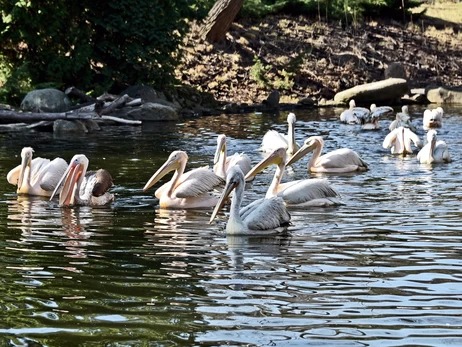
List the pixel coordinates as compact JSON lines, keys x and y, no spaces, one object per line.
{"x":383,"y":270}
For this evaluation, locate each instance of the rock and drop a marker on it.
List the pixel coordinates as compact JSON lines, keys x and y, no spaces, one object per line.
{"x":395,"y":70}
{"x":273,"y":98}
{"x":387,"y":90}
{"x":145,"y":93}
{"x":444,"y":94}
{"x":69,"y":126}
{"x":307,"y":101}
{"x":46,"y":100}
{"x":149,"y":111}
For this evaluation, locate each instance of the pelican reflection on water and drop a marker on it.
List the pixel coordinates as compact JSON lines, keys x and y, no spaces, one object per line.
{"x":36,"y":176}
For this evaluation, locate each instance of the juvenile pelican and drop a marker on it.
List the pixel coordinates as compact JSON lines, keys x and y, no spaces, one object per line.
{"x":222,"y":163}
{"x":82,"y":188}
{"x":354,"y":114}
{"x":338,"y":161}
{"x":36,"y":176}
{"x":433,"y":118}
{"x":185,"y":190}
{"x":267,"y":217}
{"x":434,"y":151}
{"x":403,"y":119}
{"x":400,"y":140}
{"x":370,"y":121}
{"x":272,"y":139}
{"x":300,"y":193}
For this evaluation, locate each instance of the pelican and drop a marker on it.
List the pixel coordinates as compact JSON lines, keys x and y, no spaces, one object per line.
{"x":300,"y":193}
{"x":400,"y":141}
{"x":370,"y":121}
{"x":338,"y":161}
{"x":403,"y":119}
{"x":36,"y":176}
{"x":272,"y":139}
{"x":222,"y":163}
{"x":82,"y":188}
{"x":434,"y":151}
{"x":267,"y":217}
{"x":354,"y":114}
{"x":433,"y":118}
{"x":185,"y":190}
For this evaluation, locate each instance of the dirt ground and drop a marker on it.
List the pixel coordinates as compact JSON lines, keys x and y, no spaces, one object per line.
{"x":302,"y":57}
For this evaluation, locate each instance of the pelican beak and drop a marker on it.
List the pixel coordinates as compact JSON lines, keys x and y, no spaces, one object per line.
{"x":306,"y":148}
{"x":221,"y":147}
{"x":168,"y":166}
{"x":229,"y":187}
{"x":275,"y":157}
{"x":25,"y":162}
{"x":432,"y":145}
{"x":70,"y":178}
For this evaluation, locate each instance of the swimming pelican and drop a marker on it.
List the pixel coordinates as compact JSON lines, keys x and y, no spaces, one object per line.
{"x":403,"y":119}
{"x":185,"y":190}
{"x":434,"y":151}
{"x":433,"y":118}
{"x":267,"y":217}
{"x":222,"y":163}
{"x":338,"y":161}
{"x":370,"y":121}
{"x":272,"y":139}
{"x":82,"y":188}
{"x":300,"y":193}
{"x":36,"y":176}
{"x":400,"y":141}
{"x":354,"y":114}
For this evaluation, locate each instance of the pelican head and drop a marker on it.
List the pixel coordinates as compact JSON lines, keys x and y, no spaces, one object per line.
{"x":277,"y":157}
{"x":221,"y":148}
{"x":352,"y":104}
{"x":234,"y":180}
{"x":72,"y":178}
{"x":26,"y":159}
{"x":291,"y":118}
{"x":310,"y":144}
{"x":176,"y":161}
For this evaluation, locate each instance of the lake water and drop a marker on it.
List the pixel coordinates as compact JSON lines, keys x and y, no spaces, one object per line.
{"x":385,"y":269}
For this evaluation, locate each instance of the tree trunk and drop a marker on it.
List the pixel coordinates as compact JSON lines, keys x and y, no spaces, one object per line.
{"x":220,"y":18}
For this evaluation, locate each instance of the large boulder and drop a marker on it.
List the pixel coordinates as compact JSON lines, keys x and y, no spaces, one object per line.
{"x":444,"y":94}
{"x":148,"y":111}
{"x":388,"y":90}
{"x":46,"y":100}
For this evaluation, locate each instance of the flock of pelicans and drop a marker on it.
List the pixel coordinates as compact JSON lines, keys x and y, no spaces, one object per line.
{"x":203,"y":188}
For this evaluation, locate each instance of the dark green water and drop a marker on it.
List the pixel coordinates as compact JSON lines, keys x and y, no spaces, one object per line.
{"x":383,"y":270}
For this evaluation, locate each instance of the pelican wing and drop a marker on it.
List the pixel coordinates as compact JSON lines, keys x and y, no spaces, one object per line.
{"x":349,"y":117}
{"x":272,"y":140}
{"x":341,"y":158}
{"x":303,"y":191}
{"x":13,"y":176}
{"x":382,"y":111}
{"x":197,"y":182}
{"x":54,"y":170}
{"x":414,"y":138}
{"x":441,"y":152}
{"x":240,"y":159}
{"x":269,"y":214}
{"x":390,"y":138}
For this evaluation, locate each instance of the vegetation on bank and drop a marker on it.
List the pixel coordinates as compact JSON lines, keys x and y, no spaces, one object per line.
{"x":107,"y":46}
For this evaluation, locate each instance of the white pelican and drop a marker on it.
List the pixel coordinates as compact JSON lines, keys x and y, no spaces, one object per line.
{"x":400,"y":140}
{"x":222,"y":163}
{"x":354,"y":114}
{"x":403,"y":119}
{"x":434,"y":151}
{"x":80,"y":187}
{"x":272,"y":139}
{"x":36,"y":176}
{"x":185,"y":190}
{"x":267,"y":217}
{"x":300,"y":193}
{"x":370,"y":121}
{"x":340,"y":160}
{"x":433,"y":118}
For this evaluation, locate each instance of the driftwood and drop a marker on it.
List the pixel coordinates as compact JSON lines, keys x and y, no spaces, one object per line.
{"x":113,"y":105}
{"x":77,"y":93}
{"x":19,"y":116}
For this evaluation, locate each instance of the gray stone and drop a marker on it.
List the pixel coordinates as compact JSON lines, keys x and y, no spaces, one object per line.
{"x":46,"y":100}
{"x":395,"y":70}
{"x":273,"y":98}
{"x":444,"y":94}
{"x":69,"y":126}
{"x":147,"y":112}
{"x":387,"y":90}
{"x":145,"y":93}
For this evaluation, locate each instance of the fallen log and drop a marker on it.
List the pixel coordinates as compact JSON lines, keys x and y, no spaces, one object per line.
{"x":19,"y":116}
